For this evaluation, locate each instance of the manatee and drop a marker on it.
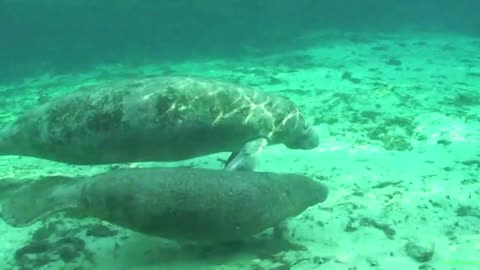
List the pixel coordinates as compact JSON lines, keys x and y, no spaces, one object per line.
{"x":160,"y":118}
{"x":183,"y":204}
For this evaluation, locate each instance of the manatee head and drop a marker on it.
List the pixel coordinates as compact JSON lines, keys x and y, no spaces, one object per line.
{"x":304,"y":192}
{"x":304,"y":137}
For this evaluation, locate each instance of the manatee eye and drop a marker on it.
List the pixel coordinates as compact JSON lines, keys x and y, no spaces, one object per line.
{"x":287,"y":193}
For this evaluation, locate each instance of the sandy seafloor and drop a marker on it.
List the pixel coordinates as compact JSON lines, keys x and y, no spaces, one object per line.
{"x":399,"y":120}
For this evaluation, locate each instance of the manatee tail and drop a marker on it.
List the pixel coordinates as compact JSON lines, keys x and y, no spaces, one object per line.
{"x":39,"y":199}
{"x":9,"y":185}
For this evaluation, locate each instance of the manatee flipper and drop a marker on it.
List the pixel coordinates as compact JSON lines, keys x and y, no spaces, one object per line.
{"x":281,"y":230}
{"x":39,"y":199}
{"x":246,"y":158}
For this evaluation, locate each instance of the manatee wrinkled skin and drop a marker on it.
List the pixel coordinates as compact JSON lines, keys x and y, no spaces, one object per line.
{"x":154,"y":119}
{"x":184,"y":204}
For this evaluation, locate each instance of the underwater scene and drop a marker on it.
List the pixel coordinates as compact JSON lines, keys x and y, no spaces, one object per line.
{"x":240,"y":135}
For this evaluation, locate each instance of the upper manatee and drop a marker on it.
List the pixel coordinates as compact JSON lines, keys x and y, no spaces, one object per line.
{"x":155,"y":119}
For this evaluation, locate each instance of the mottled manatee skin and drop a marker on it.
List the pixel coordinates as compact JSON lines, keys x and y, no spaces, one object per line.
{"x":186,"y":204}
{"x":154,"y":119}
{"x":199,"y":204}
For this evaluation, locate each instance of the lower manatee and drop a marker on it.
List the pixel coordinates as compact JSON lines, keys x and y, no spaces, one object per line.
{"x":184,"y":204}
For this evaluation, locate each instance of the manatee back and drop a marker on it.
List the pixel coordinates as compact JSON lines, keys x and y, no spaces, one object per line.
{"x":150,"y":119}
{"x":198,"y":204}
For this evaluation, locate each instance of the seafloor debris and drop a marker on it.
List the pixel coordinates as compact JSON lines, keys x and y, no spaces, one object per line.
{"x":420,"y":250}
{"x":60,"y":244}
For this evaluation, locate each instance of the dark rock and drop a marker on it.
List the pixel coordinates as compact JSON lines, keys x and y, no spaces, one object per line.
{"x":394,"y":62}
{"x":31,"y":256}
{"x":67,"y":253}
{"x":426,"y":267}
{"x":100,"y":230}
{"x":44,"y":232}
{"x":420,"y":250}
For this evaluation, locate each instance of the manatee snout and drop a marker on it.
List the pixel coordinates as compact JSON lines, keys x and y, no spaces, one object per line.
{"x":306,"y":140}
{"x":314,"y":192}
{"x":305,"y":192}
{"x":319,"y":192}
